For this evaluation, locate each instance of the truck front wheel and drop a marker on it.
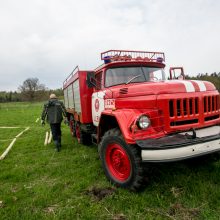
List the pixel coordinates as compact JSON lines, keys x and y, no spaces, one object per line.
{"x":121,"y":162}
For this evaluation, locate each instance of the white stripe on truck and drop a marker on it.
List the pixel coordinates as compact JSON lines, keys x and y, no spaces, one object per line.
{"x":189,"y":86}
{"x":201,"y":85}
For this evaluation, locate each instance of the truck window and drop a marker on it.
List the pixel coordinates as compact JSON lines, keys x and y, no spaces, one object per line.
{"x":125,"y":75}
{"x":156,"y":75}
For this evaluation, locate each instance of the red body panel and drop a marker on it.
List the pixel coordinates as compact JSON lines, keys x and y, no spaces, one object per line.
{"x":126,"y":120}
{"x":85,"y":95}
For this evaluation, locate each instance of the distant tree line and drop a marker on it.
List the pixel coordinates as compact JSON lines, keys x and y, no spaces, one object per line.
{"x":10,"y":96}
{"x":31,"y":90}
{"x":214,"y":78}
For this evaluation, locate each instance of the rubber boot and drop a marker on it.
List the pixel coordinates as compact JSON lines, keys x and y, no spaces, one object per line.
{"x":59,"y":143}
{"x":56,"y":145}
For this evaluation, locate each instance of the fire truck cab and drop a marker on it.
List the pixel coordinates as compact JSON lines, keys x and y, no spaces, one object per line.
{"x":128,"y":108}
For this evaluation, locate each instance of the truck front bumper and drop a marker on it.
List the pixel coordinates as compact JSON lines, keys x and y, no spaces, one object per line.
{"x":181,"y":146}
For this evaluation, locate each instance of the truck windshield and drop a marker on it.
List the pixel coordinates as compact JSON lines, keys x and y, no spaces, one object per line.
{"x":127,"y":75}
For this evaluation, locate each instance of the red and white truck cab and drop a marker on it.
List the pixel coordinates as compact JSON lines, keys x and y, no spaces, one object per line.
{"x":135,"y":115}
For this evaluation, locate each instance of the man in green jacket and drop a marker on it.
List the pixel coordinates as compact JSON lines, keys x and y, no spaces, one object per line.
{"x":54,"y":110}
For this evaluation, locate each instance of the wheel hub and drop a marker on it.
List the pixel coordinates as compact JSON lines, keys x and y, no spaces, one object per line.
{"x":118,"y":162}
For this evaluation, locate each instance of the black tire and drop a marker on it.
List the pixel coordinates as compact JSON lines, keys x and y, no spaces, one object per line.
{"x":121,"y":162}
{"x":85,"y":138}
{"x":82,"y":137}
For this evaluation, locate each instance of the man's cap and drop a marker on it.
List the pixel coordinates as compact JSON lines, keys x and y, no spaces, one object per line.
{"x":53,"y":96}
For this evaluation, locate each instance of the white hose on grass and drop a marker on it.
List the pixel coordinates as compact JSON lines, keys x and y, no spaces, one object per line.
{"x":37,"y":120}
{"x":46,"y":139}
{"x":11,"y":144}
{"x":9,"y":127}
{"x":8,"y":149}
{"x":50,"y":138}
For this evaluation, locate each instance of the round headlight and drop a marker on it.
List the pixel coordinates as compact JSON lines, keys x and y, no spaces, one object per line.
{"x":143,"y":122}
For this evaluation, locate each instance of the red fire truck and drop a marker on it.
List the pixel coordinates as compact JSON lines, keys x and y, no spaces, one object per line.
{"x":128,"y":108}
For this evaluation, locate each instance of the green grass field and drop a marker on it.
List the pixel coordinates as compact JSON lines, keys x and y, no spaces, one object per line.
{"x":38,"y":183}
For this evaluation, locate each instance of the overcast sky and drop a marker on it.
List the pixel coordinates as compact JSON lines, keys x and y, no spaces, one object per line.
{"x":48,"y":38}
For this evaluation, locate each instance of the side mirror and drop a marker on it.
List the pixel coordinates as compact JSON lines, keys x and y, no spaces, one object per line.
{"x":177,"y":73}
{"x":90,"y":79}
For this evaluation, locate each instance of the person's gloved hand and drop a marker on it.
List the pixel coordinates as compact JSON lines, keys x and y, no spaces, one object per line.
{"x":42,"y":122}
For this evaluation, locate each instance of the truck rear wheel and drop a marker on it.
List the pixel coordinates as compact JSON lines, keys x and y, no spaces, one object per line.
{"x":121,"y":162}
{"x":72,"y":126}
{"x":82,"y":137}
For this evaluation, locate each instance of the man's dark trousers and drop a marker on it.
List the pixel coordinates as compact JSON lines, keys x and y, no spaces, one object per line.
{"x":56,"y":133}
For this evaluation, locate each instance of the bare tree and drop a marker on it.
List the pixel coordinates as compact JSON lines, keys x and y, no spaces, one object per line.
{"x":32,"y":90}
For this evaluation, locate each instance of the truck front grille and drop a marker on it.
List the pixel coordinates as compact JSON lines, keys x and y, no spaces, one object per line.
{"x":193,"y":110}
{"x":210,"y":103}
{"x":183,"y":107}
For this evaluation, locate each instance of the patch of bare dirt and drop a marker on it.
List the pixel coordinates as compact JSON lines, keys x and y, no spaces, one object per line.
{"x":100,"y":193}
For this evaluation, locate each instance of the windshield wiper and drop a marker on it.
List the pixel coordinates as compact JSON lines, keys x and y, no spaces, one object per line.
{"x":133,"y":78}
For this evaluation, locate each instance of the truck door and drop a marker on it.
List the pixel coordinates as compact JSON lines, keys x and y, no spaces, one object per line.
{"x":98,"y":105}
